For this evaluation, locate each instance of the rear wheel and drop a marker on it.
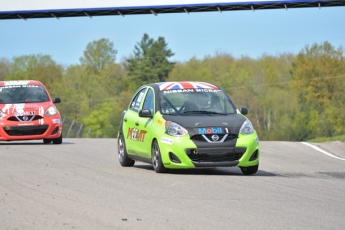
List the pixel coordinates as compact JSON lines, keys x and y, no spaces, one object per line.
{"x":123,"y":157}
{"x":157,"y":159}
{"x":250,"y":170}
{"x":57,"y":140}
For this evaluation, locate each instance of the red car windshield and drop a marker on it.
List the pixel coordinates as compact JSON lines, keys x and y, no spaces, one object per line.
{"x":22,"y":94}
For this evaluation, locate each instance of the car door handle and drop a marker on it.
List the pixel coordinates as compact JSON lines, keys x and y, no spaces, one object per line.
{"x":137,"y":123}
{"x":125,"y":119}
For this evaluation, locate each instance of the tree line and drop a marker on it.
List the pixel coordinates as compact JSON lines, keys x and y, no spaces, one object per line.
{"x":289,"y":97}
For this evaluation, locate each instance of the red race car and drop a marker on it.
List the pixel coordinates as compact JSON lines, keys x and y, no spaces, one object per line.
{"x":27,"y":112}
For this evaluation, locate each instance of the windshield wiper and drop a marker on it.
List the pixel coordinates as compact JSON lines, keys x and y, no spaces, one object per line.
{"x":204,"y":111}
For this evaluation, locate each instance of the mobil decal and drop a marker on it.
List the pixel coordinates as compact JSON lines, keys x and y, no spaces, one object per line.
{"x":136,"y":134}
{"x":211,"y":130}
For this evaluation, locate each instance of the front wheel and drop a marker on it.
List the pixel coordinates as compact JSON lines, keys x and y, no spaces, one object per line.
{"x":157,"y":159}
{"x":124,"y":160}
{"x":250,"y":170}
{"x":47,"y":141}
{"x":57,"y":140}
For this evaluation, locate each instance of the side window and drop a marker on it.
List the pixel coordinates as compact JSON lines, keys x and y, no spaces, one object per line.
{"x":149,"y":101}
{"x":135,"y":104}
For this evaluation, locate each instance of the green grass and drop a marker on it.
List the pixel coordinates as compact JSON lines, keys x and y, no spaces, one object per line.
{"x":327,"y":139}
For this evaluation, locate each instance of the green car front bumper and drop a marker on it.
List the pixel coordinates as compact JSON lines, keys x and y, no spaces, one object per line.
{"x":181,"y":152}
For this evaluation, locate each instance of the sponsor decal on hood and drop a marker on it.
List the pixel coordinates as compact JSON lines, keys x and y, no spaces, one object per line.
{"x":211,"y":130}
{"x":23,"y":110}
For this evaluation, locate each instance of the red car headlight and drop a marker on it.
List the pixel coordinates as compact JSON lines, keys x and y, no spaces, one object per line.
{"x":51,"y":111}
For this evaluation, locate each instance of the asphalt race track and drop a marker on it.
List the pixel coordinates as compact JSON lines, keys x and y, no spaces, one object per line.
{"x":80,"y":185}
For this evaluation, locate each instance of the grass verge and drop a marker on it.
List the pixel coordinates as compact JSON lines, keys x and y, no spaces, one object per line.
{"x":327,"y":139}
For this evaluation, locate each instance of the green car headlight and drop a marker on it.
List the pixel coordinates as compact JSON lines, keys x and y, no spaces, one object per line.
{"x":247,"y":128}
{"x":174,"y":129}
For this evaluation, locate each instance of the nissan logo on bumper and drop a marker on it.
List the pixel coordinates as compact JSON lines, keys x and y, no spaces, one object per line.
{"x":215,"y":137}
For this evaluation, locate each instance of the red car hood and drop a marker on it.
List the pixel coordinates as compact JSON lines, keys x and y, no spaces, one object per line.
{"x":23,"y":109}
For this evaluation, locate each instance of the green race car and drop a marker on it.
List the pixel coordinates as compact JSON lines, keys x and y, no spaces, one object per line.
{"x":180,"y":125}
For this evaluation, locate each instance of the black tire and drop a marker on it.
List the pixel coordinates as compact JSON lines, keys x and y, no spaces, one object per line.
{"x":57,"y":141}
{"x":250,"y":170}
{"x":157,"y":160}
{"x":124,"y":160}
{"x":47,"y":141}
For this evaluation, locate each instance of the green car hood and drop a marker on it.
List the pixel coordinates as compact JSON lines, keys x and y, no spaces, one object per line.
{"x":230,"y":123}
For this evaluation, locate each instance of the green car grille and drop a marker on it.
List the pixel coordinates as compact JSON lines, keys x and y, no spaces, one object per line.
{"x":199,"y":137}
{"x":215,"y":154}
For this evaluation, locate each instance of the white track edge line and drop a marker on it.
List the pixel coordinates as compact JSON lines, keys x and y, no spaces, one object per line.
{"x":322,"y":151}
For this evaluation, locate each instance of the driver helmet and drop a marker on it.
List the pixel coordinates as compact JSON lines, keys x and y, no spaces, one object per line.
{"x":31,"y":94}
{"x":203,"y":99}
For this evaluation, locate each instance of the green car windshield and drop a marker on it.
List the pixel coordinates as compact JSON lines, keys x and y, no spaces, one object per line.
{"x":195,"y":101}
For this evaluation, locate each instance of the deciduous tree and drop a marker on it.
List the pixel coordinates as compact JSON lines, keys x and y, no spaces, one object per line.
{"x":98,"y":54}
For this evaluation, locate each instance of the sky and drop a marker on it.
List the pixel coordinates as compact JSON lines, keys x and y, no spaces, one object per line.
{"x":238,"y":33}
